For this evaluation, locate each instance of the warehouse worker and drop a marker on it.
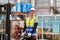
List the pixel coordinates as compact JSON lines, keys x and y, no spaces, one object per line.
{"x":30,"y":24}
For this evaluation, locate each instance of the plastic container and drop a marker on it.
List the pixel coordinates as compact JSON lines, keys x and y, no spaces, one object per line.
{"x":17,"y":3}
{"x":23,"y":7}
{"x":29,"y":6}
{"x":13,"y":9}
{"x":18,"y":8}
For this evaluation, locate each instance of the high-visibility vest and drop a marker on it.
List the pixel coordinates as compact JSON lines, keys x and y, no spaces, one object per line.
{"x":30,"y":22}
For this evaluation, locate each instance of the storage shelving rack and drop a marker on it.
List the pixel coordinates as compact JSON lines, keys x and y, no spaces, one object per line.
{"x":43,"y":7}
{"x":7,"y":12}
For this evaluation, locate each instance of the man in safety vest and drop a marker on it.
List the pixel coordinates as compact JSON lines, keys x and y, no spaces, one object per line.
{"x":31,"y":24}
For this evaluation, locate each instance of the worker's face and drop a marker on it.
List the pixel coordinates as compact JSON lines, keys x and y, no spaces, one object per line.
{"x":32,"y":12}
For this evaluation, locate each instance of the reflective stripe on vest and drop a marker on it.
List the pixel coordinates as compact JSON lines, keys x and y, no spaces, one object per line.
{"x":30,"y":22}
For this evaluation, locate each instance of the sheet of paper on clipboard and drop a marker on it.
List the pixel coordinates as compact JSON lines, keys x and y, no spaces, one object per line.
{"x":22,"y":24}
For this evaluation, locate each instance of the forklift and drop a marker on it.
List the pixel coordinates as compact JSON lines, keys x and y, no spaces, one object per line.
{"x":5,"y":9}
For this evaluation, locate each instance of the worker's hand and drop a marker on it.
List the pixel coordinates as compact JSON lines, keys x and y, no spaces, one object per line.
{"x":23,"y":33}
{"x":29,"y":34}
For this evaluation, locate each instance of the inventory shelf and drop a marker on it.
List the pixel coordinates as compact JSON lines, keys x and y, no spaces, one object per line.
{"x":1,"y":31}
{"x":6,"y":3}
{"x":4,"y":12}
{"x":45,"y":7}
{"x":49,"y":33}
{"x":19,"y":12}
{"x":11,"y":5}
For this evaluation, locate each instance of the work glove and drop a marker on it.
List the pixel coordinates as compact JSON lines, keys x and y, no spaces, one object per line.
{"x":29,"y":34}
{"x":23,"y":33}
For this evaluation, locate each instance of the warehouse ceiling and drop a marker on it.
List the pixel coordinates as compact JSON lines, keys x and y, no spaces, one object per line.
{"x":12,"y":1}
{"x":6,"y":1}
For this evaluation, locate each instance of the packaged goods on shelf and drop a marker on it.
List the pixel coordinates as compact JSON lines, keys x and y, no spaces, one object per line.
{"x":17,"y":3}
{"x":25,"y":7}
{"x":47,"y":30}
{"x":29,"y":6}
{"x":18,"y":9}
{"x":12,"y":17}
{"x":39,"y":30}
{"x":3,"y":17}
{"x":21,"y":7}
{"x":13,"y":9}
